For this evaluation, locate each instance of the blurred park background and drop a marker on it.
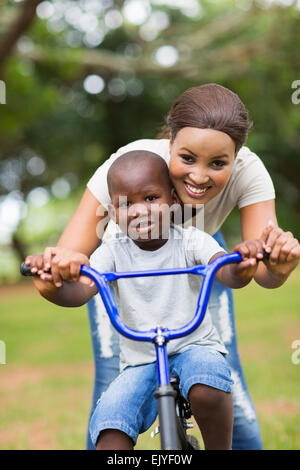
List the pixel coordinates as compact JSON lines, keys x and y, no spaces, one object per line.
{"x":79,"y":79}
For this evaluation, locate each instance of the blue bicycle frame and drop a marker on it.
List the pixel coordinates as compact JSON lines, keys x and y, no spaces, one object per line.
{"x":160,"y":335}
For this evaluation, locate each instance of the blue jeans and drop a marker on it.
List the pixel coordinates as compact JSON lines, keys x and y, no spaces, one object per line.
{"x":129,"y":405}
{"x":246,"y":433}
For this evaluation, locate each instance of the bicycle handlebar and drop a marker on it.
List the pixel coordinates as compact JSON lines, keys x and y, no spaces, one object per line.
{"x":165,"y":334}
{"x":207,"y":272}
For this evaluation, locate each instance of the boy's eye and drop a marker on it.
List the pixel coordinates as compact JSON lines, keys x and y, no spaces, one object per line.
{"x":151,"y":198}
{"x":188,"y":158}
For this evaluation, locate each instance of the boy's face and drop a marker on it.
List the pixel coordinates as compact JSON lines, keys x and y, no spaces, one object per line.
{"x":141,"y":206}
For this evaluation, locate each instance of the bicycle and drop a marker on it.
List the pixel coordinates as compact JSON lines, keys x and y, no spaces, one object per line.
{"x":173,"y":409}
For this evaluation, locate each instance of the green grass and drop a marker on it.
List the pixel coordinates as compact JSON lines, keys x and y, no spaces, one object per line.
{"x":46,"y":383}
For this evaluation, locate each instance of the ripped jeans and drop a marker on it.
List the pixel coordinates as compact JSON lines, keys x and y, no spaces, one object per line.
{"x":246,"y":433}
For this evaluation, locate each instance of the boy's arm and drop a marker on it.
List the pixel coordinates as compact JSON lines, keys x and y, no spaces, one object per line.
{"x":205,"y":249}
{"x":80,"y":290}
{"x":240,"y":274}
{"x":66,"y":293}
{"x":70,"y":294}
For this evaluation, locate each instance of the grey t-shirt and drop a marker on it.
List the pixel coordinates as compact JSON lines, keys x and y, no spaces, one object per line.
{"x":168,"y":301}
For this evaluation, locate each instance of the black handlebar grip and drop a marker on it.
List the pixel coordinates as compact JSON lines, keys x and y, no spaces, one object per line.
{"x":25,"y":270}
{"x":266,"y":256}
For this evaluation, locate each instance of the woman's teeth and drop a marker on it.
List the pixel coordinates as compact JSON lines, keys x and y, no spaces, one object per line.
{"x":195,"y":190}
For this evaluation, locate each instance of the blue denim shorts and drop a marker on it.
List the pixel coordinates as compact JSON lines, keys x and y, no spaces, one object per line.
{"x":128,"y":404}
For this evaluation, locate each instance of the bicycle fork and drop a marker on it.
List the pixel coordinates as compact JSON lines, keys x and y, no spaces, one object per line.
{"x":165,"y":396}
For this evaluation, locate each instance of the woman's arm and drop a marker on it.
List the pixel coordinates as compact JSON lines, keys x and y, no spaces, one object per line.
{"x":254,"y":220}
{"x":85,"y":230}
{"x":83,"y":234}
{"x":240,"y":274}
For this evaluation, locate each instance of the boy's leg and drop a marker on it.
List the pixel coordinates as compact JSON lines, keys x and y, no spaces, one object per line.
{"x":205,"y":381}
{"x":213,"y":412}
{"x":126,"y":409}
{"x":112,"y":439}
{"x":246,"y":432}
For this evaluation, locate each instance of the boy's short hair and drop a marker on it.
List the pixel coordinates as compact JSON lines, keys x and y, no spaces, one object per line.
{"x":129,"y":162}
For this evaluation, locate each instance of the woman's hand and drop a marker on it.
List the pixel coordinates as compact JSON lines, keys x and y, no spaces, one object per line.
{"x":37,"y":265}
{"x":59,"y":264}
{"x":284,"y":250}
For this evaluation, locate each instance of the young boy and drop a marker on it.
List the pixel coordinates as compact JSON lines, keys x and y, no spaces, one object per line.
{"x":142,"y":194}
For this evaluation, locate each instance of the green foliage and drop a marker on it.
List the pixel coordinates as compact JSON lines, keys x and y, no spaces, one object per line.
{"x":247,"y":47}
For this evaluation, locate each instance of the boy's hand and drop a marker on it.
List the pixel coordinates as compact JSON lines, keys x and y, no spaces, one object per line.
{"x":64,"y":264}
{"x":252,"y":253}
{"x":283,"y":248}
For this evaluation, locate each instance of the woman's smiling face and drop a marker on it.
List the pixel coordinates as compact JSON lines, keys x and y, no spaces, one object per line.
{"x":201,"y":163}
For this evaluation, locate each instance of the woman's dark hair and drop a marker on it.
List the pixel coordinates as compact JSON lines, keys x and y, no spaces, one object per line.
{"x":209,"y":106}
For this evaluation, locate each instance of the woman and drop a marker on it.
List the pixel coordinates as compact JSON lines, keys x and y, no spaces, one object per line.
{"x":208,"y":165}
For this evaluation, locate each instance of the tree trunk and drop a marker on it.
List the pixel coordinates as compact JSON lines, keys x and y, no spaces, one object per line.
{"x":17,"y":29}
{"x":18,"y":247}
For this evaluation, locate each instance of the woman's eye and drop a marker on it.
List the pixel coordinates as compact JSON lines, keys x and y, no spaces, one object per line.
{"x":218,"y":163}
{"x":124,"y":204}
{"x":187,"y":158}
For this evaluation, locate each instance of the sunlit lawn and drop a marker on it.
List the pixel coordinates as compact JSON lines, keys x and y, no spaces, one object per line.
{"x":46,"y":384}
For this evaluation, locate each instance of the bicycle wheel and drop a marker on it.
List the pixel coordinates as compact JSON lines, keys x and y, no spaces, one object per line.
{"x":193,"y":442}
{"x":186,"y":441}
{"x":183,"y":412}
